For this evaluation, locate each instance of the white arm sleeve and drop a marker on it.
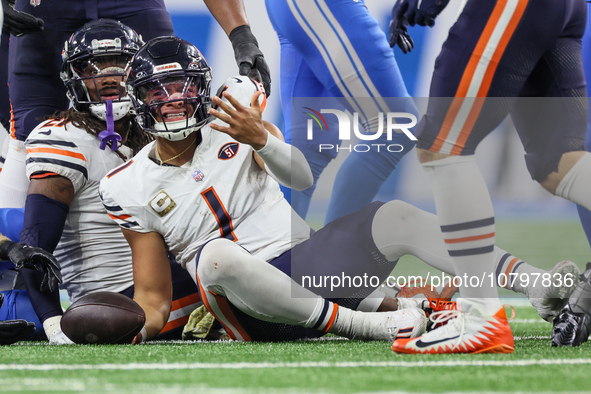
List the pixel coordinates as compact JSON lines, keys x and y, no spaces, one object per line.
{"x":286,"y":164}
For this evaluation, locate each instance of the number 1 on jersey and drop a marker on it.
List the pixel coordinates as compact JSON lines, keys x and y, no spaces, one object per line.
{"x":221,"y":215}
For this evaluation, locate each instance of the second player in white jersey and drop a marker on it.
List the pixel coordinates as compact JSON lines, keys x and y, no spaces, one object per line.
{"x":66,"y":158}
{"x":59,"y":147}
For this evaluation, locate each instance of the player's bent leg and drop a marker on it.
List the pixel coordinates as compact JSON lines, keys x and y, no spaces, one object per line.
{"x":228,"y":276}
{"x":401,"y":229}
{"x":472,"y":332}
{"x":572,"y":179}
{"x":552,"y":290}
{"x":548,"y":291}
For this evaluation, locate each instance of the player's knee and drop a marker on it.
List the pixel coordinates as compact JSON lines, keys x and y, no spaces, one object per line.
{"x":397,"y":211}
{"x":400,"y":213}
{"x":394,"y":218}
{"x":426,"y":156}
{"x":220,"y":258}
{"x":553,"y":178}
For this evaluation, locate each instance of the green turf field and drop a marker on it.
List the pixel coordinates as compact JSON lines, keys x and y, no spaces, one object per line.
{"x":330,"y":365}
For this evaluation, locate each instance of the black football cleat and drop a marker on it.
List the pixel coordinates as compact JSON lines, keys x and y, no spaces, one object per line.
{"x":570,"y":328}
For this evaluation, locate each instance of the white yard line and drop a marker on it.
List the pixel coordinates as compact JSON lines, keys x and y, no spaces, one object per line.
{"x":246,"y":365}
{"x":528,"y":321}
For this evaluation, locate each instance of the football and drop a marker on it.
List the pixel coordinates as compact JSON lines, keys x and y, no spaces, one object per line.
{"x":103,"y":318}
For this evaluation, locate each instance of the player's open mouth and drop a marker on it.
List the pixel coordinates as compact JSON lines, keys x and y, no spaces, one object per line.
{"x":111,"y":94}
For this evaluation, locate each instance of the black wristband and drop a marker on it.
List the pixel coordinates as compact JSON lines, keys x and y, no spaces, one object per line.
{"x":5,"y":248}
{"x":241,"y":35}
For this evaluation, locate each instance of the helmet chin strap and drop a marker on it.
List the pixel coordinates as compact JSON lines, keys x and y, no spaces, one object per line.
{"x":109,"y":135}
{"x":185,"y":127}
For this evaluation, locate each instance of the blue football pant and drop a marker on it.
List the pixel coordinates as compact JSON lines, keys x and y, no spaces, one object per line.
{"x":335,"y":48}
{"x":585,"y":214}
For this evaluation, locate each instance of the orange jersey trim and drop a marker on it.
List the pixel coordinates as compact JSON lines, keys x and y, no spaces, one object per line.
{"x":119,"y":169}
{"x":44,"y":175}
{"x":57,"y":152}
{"x":122,"y":217}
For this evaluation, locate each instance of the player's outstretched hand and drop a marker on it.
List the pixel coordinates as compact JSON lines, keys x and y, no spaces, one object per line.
{"x":250,"y":59}
{"x":19,"y":23}
{"x":419,"y":12}
{"x":399,"y":34}
{"x":32,"y":257}
{"x":245,"y":125}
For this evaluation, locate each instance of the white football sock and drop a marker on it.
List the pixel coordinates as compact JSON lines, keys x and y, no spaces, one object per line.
{"x":576,"y":184}
{"x":401,"y":229}
{"x":466,"y":218}
{"x":378,"y":326}
{"x":13,"y":179}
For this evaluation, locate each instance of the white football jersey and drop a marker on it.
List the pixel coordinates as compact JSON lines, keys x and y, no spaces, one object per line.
{"x":221,"y":192}
{"x":93,"y":253}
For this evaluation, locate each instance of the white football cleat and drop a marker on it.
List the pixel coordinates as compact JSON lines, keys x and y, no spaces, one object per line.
{"x":404,"y":323}
{"x":549,"y":300}
{"x":471,"y":332}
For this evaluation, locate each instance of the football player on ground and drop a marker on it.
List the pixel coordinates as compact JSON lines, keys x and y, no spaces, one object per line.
{"x":67,"y":156}
{"x":208,"y":191}
{"x":499,"y":57}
